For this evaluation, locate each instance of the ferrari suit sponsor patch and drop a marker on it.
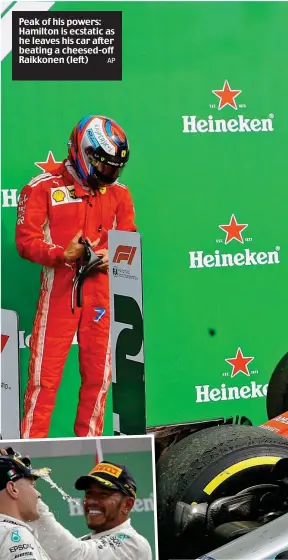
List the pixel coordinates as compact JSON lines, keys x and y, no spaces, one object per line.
{"x":21,"y":209}
{"x":63,"y":195}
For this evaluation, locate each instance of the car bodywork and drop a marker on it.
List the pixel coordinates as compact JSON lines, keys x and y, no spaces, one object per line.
{"x":265,"y":539}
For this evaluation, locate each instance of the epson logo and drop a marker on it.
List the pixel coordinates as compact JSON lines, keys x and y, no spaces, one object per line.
{"x":19,"y":547}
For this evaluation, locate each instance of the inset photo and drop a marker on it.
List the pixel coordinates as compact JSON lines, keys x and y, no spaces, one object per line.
{"x":78,"y":499}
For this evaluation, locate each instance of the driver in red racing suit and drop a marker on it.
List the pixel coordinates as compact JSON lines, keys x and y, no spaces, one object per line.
{"x":81,"y":199}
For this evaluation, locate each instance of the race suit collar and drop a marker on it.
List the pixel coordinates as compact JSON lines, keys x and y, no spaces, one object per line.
{"x":123,"y":527}
{"x":70,"y":173}
{"x":14,"y":521}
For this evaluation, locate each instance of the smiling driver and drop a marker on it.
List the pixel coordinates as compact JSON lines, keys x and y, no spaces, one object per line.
{"x":110,"y":492}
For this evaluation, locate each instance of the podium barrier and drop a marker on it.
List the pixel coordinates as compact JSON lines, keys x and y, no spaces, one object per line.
{"x":127,"y":338}
{"x":10,"y":379}
{"x":127,"y":353}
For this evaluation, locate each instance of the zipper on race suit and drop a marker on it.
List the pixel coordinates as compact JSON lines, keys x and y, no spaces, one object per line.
{"x":89,"y":204}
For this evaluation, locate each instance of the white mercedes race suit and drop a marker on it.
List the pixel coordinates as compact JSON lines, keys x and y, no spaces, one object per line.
{"x":18,"y":541}
{"x":120,"y":543}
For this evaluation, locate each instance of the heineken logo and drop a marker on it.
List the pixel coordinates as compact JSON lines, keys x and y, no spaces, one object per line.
{"x":240,"y":123}
{"x":50,"y":165}
{"x":226,"y":96}
{"x":253,"y":390}
{"x":198,"y":259}
{"x":233,"y":230}
{"x":218,"y":259}
{"x":239,"y":365}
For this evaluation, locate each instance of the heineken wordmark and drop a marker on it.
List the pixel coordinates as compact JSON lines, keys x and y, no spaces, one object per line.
{"x":238,"y":124}
{"x":199,"y":260}
{"x":206,"y":393}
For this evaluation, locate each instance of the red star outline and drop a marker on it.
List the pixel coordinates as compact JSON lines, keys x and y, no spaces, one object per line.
{"x":227,"y":96}
{"x":239,"y":363}
{"x":50,"y":165}
{"x":233,"y":230}
{"x":4,"y":340}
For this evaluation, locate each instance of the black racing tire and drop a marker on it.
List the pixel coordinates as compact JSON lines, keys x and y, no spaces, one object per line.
{"x":277,"y":392}
{"x":184,"y":472}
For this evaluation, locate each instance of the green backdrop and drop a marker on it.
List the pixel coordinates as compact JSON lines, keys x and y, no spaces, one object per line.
{"x":185,"y":185}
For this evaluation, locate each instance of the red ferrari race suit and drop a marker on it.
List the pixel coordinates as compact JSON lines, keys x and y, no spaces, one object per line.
{"x":51,"y":210}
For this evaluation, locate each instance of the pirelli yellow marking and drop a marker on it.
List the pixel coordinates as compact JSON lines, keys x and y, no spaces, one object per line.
{"x":103,"y":481}
{"x":238,"y":467}
{"x":106,"y":468}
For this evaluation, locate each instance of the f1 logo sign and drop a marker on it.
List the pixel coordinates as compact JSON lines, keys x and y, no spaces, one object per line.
{"x":124,"y":253}
{"x":4,"y":340}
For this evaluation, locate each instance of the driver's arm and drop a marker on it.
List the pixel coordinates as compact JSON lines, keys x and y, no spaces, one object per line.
{"x":60,"y":544}
{"x":32,"y":228}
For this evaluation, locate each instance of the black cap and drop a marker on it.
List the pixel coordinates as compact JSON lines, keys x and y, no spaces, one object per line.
{"x":12,"y":469}
{"x":111,"y":476}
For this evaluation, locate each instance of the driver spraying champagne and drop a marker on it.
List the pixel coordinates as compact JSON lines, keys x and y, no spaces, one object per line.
{"x":110,"y":492}
{"x":18,"y":508}
{"x":60,"y":217}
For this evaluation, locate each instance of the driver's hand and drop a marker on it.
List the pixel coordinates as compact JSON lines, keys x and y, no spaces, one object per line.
{"x":75,"y":250}
{"x":93,"y":244}
{"x":10,"y":451}
{"x":104,"y":265}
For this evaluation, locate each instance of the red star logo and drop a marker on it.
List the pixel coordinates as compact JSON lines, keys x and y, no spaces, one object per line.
{"x":227,"y":96}
{"x":239,"y":363}
{"x":50,"y":165}
{"x":233,"y":230}
{"x":4,"y":340}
